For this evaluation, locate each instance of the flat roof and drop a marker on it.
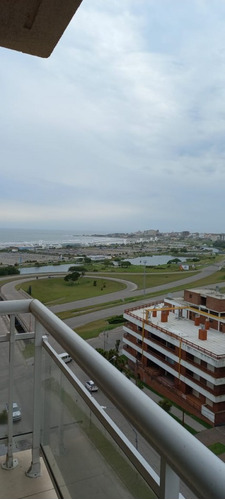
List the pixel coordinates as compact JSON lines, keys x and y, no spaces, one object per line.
{"x":186,"y":330}
{"x":208,"y":292}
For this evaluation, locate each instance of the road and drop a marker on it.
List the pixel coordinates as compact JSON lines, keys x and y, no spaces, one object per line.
{"x":9,"y":292}
{"x":75,"y":322}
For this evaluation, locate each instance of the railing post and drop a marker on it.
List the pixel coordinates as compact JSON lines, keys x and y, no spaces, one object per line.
{"x":35,"y":467}
{"x":10,"y":462}
{"x":169,"y":481}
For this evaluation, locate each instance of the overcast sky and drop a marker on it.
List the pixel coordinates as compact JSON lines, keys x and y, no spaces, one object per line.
{"x":123,"y":127}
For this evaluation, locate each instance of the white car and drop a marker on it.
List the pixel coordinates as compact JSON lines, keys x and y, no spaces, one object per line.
{"x":16,"y":412}
{"x":65,"y":357}
{"x":91,"y":386}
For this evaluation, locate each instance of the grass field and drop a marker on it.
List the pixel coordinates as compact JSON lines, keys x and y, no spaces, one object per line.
{"x":217,"y":448}
{"x":56,"y":290}
{"x":93,"y":329}
{"x":214,"y":278}
{"x":151,"y":279}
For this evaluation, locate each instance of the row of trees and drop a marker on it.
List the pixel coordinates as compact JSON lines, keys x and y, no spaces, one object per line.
{"x":9,"y":270}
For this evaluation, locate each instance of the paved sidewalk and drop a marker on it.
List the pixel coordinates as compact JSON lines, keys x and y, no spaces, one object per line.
{"x":211,"y":436}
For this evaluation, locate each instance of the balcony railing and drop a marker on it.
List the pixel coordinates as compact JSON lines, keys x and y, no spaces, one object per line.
{"x":86,"y":451}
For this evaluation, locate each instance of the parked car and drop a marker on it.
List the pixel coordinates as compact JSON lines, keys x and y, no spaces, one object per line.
{"x":91,"y":386}
{"x":65,"y":357}
{"x":16,"y":412}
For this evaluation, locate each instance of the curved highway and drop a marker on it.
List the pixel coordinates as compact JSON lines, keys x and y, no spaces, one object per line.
{"x":9,"y":292}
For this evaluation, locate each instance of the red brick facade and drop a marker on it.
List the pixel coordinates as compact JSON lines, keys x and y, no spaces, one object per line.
{"x":159,"y":357}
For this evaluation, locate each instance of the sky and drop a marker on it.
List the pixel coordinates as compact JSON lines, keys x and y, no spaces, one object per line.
{"x":122,"y":128}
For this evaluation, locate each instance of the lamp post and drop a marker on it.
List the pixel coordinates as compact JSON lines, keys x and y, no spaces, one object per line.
{"x":144,"y":277}
{"x":105,"y":334}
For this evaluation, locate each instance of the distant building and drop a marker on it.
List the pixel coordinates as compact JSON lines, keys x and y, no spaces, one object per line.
{"x":184,"y":267}
{"x":180,"y":344}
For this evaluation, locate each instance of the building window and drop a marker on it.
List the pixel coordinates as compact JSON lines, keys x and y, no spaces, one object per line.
{"x":203,"y":301}
{"x":170,"y":346}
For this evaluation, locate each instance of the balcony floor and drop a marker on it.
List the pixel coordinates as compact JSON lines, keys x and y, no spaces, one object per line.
{"x":15,"y":484}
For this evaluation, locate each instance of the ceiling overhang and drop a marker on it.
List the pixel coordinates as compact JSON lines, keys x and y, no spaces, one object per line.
{"x":34,"y":26}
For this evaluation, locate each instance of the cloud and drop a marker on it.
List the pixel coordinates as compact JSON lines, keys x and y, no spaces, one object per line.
{"x":123,"y":126}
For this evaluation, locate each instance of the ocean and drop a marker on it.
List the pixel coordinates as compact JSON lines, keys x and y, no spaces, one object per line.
{"x":46,"y":237}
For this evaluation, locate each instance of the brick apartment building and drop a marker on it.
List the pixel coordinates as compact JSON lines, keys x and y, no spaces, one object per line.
{"x":179,"y":344}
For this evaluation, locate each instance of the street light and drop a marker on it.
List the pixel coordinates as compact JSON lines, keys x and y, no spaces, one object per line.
{"x":105,"y":334}
{"x":113,"y":357}
{"x":144,"y":277}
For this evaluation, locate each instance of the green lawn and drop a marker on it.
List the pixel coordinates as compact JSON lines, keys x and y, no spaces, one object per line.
{"x":217,"y":448}
{"x":151,"y":279}
{"x":56,"y":290}
{"x":93,"y":329}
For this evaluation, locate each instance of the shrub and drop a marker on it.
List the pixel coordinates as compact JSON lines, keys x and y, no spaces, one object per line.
{"x":116,"y":319}
{"x":165,"y":405}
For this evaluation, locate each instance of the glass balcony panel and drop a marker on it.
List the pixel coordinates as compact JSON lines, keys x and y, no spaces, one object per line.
{"x":85,"y":460}
{"x":4,"y":389}
{"x":22,"y":387}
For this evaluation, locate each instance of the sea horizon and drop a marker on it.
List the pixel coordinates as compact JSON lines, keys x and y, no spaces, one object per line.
{"x":33,"y":237}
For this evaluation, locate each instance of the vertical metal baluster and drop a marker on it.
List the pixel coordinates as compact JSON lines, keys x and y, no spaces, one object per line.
{"x":35,"y":467}
{"x":11,"y":462}
{"x":169,"y":481}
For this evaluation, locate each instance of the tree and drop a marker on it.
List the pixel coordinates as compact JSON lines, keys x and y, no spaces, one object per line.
{"x":3,"y":417}
{"x":72,"y":277}
{"x":80,"y":269}
{"x":87,"y":260}
{"x":108,"y":263}
{"x":125,"y":263}
{"x":165,"y":405}
{"x":9,"y":270}
{"x":173,"y":261}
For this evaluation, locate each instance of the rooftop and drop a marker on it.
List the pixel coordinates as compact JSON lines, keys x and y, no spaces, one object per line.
{"x":185,"y":329}
{"x":208,"y":292}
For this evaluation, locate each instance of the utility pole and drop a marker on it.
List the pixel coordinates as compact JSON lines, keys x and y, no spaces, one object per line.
{"x":144,"y":277}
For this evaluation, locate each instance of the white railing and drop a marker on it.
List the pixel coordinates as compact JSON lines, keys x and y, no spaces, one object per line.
{"x":183,"y":457}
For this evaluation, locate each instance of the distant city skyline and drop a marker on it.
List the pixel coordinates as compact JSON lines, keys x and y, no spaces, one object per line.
{"x":73,"y":232}
{"x":122,"y":128}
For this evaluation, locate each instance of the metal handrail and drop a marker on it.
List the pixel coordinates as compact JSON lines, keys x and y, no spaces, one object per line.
{"x":198,"y":467}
